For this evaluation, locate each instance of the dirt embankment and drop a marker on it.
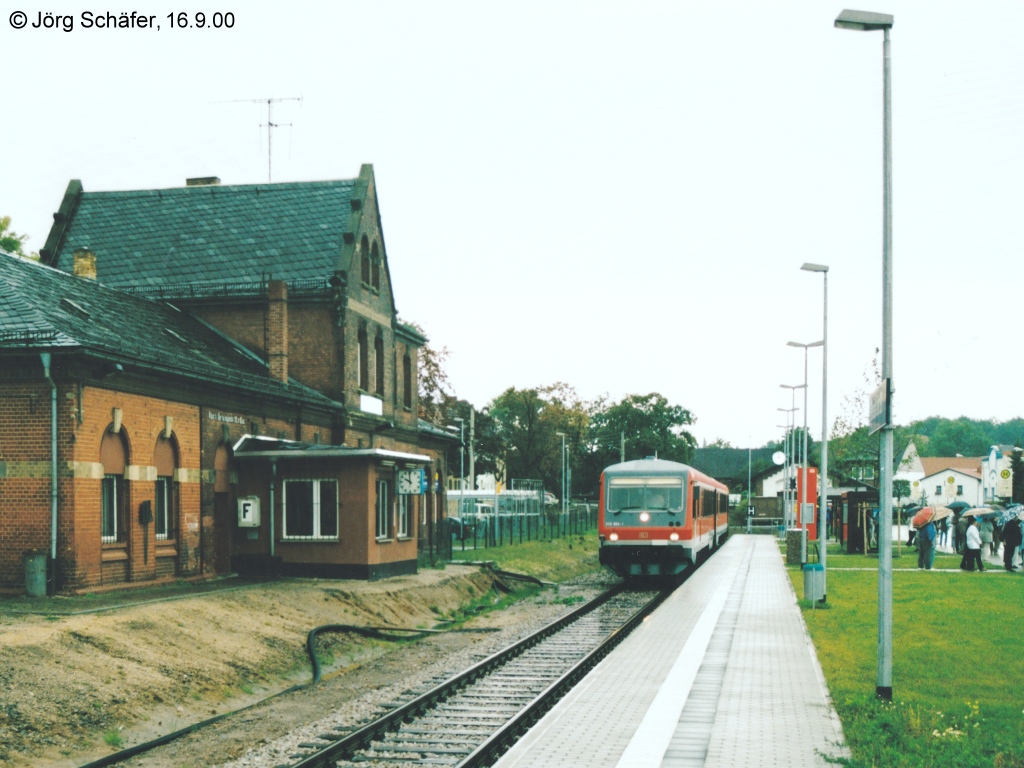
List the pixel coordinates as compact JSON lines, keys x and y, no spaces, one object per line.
{"x":69,"y":683}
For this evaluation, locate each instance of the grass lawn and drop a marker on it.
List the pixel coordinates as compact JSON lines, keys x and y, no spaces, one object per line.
{"x":958,"y":664}
{"x":837,"y":558}
{"x":555,"y":560}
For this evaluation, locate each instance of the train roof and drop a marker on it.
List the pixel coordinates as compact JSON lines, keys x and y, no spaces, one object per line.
{"x":648,"y":467}
{"x":651,"y":466}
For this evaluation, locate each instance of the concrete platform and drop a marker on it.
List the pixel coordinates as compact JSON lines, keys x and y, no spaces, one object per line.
{"x":723,"y":674}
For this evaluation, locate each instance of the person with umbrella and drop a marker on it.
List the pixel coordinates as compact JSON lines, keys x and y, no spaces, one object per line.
{"x":1012,"y":536}
{"x":926,"y":546}
{"x":961,"y":532}
{"x":972,"y":548}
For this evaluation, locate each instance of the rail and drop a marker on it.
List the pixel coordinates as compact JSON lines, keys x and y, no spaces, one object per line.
{"x":504,"y":734}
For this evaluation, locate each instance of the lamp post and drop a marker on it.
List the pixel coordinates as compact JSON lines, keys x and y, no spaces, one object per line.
{"x":563,"y":470}
{"x":823,"y":475}
{"x":803,"y":494}
{"x":790,"y":449}
{"x":462,"y":467}
{"x":866,"y":21}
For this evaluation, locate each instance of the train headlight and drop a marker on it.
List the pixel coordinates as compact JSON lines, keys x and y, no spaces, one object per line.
{"x":613,"y":537}
{"x":673,"y":536}
{"x":644,"y":517}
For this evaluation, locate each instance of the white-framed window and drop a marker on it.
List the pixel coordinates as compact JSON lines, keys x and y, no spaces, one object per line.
{"x":938,"y":490}
{"x":112,"y":524}
{"x":162,"y":510}
{"x":310,"y":509}
{"x":383,"y":510}
{"x":403,"y":515}
{"x":959,"y":490}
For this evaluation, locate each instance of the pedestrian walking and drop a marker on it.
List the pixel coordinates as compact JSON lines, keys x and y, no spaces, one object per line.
{"x":926,"y":547}
{"x":985,"y":529}
{"x":961,"y":532}
{"x":972,"y":548}
{"x":943,"y":531}
{"x":1012,"y":536}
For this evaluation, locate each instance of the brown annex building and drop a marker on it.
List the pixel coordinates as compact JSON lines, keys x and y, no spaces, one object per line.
{"x":210,"y":379}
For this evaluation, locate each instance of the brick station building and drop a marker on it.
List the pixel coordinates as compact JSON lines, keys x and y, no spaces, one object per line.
{"x":231,"y":386}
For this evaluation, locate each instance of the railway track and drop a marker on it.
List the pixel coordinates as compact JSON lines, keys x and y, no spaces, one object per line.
{"x":472,"y":718}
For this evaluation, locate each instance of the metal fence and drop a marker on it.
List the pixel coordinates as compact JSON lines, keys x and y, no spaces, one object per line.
{"x":478,"y":520}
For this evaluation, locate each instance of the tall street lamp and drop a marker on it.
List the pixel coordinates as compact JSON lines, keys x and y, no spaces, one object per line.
{"x":462,"y":467}
{"x":866,"y":21}
{"x":803,"y":494}
{"x":790,"y":457}
{"x":823,"y":475}
{"x":563,"y":470}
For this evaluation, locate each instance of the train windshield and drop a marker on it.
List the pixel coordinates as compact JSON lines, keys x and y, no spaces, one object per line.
{"x":650,"y":493}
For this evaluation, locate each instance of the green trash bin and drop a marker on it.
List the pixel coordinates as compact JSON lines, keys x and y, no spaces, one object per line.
{"x":35,"y":573}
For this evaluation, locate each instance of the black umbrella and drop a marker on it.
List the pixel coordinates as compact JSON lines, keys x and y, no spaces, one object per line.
{"x":959,"y":506}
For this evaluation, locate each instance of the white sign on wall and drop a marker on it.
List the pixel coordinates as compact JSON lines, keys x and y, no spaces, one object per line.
{"x":371,"y":404}
{"x":249,"y":512}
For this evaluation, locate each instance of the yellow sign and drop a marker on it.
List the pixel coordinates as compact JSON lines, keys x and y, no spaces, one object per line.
{"x":950,"y":479}
{"x":1005,"y":474}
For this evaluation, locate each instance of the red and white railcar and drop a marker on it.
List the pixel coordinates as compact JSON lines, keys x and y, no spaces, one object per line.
{"x":658,"y":517}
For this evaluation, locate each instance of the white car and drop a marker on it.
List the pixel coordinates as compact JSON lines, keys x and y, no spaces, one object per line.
{"x":550,"y":499}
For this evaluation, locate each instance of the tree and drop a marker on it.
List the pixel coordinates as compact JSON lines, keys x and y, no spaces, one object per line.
{"x":11,"y":241}
{"x":961,"y":436}
{"x":527,"y":423}
{"x":901,"y":490}
{"x":436,"y":396}
{"x":649,"y":425}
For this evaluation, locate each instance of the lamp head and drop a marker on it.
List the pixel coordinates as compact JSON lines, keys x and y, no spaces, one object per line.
{"x":808,"y":267}
{"x":863,"y":21}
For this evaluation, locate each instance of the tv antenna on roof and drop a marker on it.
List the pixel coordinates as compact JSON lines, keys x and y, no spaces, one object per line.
{"x":270,"y":125}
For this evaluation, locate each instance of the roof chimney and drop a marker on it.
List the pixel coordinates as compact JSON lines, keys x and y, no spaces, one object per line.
{"x":203,"y":181}
{"x":277,"y":330}
{"x":85,"y":263}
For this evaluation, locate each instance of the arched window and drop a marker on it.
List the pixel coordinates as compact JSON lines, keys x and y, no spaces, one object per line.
{"x":375,"y":264}
{"x":364,"y":259}
{"x":364,"y":363}
{"x":113,"y":504}
{"x":407,"y":381}
{"x":378,"y":359}
{"x":165,"y":457}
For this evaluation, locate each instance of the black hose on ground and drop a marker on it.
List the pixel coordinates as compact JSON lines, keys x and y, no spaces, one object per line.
{"x":379,"y":633}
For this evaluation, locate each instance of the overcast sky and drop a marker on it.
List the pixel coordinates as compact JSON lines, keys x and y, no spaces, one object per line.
{"x":614,"y":195}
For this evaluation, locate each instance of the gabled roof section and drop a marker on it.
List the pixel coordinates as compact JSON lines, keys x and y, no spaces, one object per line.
{"x":934,"y":464}
{"x":974,"y":474}
{"x":210,"y":234}
{"x":42,"y":308}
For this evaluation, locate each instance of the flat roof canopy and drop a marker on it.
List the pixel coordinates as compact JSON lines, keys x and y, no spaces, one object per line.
{"x":256,"y":446}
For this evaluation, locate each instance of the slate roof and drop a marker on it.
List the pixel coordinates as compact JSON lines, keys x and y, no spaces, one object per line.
{"x":206,"y":234}
{"x":46,"y":309}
